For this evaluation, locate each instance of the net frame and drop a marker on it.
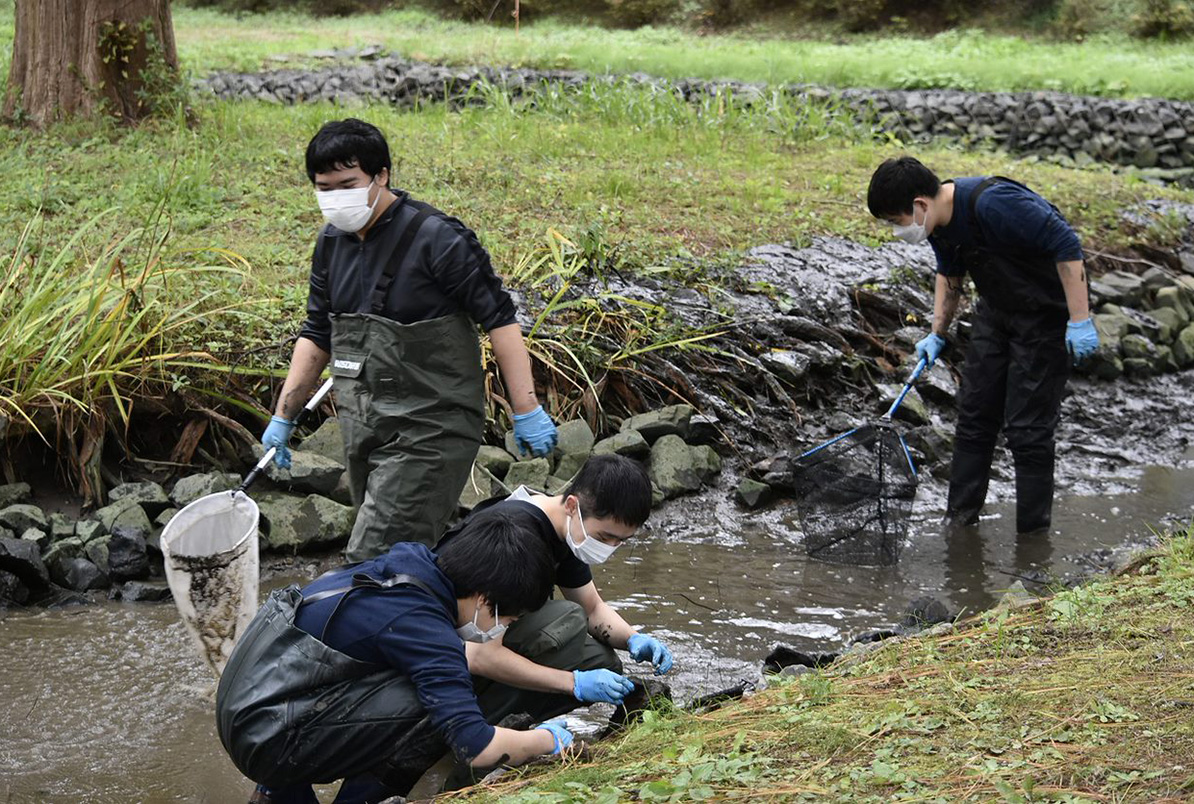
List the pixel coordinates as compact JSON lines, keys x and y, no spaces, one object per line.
{"x":855,"y":494}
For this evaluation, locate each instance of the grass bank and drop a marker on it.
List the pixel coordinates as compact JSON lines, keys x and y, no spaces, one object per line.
{"x":1085,"y":696}
{"x":1113,"y":65}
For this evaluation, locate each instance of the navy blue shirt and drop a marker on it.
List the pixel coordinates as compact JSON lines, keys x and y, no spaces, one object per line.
{"x":409,"y":630}
{"x":1011,"y":219}
{"x":445,"y":271}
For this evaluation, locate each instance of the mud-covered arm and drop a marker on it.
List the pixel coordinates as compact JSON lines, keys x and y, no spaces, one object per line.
{"x":946,"y":296}
{"x":605,"y":624}
{"x":1073,"y":282}
{"x":306,"y":364}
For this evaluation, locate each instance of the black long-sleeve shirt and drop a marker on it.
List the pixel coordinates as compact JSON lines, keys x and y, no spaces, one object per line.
{"x":446,"y":270}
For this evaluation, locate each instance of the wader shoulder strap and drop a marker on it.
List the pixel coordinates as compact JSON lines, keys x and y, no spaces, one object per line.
{"x":362,"y":581}
{"x":398,"y":255}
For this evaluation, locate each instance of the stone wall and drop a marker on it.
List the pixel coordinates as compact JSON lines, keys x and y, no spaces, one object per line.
{"x":1145,"y":133}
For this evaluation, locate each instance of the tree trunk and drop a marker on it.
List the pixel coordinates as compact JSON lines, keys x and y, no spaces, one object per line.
{"x":85,"y":57}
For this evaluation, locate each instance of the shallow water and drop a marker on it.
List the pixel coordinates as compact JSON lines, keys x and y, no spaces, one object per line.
{"x":110,"y":702}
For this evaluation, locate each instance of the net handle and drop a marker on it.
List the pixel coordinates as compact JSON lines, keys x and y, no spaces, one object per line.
{"x":912,"y":378}
{"x":269,"y":453}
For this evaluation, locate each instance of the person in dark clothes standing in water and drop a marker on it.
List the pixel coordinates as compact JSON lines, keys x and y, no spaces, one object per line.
{"x":397,"y":289}
{"x":1031,"y":320}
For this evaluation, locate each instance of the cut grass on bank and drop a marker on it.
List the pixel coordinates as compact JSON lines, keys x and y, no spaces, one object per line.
{"x":1086,"y":696}
{"x":1113,"y":66}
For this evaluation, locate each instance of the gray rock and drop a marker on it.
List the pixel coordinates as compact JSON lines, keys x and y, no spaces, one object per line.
{"x":309,"y":472}
{"x":706,"y":462}
{"x":1170,"y":321}
{"x":74,"y":547}
{"x":1141,"y":367}
{"x":925,"y":611}
{"x":912,"y":409}
{"x":703,"y":429}
{"x":124,"y":514}
{"x":14,"y":494}
{"x":796,"y":670}
{"x":163,"y":518}
{"x":128,"y":557}
{"x":938,"y":386}
{"x":188,"y":489}
{"x":1016,"y":597}
{"x":61,"y":527}
{"x":145,"y":592}
{"x":575,"y":438}
{"x":673,"y":468}
{"x":12,"y":589}
{"x":1183,"y":347}
{"x":96,"y":551}
{"x":569,"y":464}
{"x":20,"y":517}
{"x":1120,"y":287}
{"x":1173,"y":299}
{"x":327,"y":441}
{"x":297,"y":523}
{"x":343,"y":492}
{"x":23,"y":559}
{"x":532,"y":474}
{"x":629,"y":443}
{"x":556,"y":485}
{"x":78,"y":574}
{"x":149,"y":496}
{"x":495,"y":460}
{"x":38,"y":537}
{"x":88,"y":529}
{"x":1137,"y":346}
{"x":789,"y":367}
{"x":752,"y":493}
{"x":652,"y":425}
{"x":1156,"y":278}
{"x":481,"y":486}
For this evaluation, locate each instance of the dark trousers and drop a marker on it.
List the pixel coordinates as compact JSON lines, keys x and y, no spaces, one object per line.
{"x":1013,"y":379}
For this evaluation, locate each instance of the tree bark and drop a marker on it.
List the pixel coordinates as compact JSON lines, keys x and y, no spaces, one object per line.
{"x":73,"y":57}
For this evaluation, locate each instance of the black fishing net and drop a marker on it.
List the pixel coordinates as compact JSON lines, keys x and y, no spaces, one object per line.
{"x":854,"y":496}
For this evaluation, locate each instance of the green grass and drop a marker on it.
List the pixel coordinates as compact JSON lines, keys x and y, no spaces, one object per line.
{"x":1083,"y":697}
{"x":1106,"y":65}
{"x":1112,"y":64}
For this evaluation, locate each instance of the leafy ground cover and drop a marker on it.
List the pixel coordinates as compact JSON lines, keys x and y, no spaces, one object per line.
{"x":1084,"y":696}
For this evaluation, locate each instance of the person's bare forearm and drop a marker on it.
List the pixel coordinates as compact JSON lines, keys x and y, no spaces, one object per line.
{"x":608,"y":627}
{"x":306,"y":364}
{"x":1073,"y":282}
{"x":509,"y":747}
{"x":495,"y":661}
{"x":947,"y":295}
{"x":515,"y":363}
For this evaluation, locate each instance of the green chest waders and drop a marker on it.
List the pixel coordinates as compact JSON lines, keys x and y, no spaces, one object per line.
{"x":410,"y":403}
{"x":291,"y":710}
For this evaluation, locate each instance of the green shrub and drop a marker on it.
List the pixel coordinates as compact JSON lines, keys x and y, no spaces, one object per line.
{"x":320,"y":8}
{"x":1166,"y":19}
{"x":636,"y":13}
{"x":860,"y":15}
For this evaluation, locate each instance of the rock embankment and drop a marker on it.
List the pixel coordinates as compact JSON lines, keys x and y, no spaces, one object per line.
{"x":1148,"y":133}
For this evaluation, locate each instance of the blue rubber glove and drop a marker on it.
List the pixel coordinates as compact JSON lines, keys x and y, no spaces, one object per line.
{"x":930,"y":348}
{"x":605,"y":686}
{"x":1081,"y":339}
{"x":535,"y":431}
{"x":278,"y":435}
{"x":561,"y":735}
{"x":649,"y":649}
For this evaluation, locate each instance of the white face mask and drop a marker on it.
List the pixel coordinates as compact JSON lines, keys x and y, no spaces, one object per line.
{"x":471,"y":632}
{"x":589,"y":550}
{"x":348,"y":210}
{"x":914,"y":232}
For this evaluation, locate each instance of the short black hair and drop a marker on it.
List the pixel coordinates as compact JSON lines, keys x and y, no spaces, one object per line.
{"x":613,"y":487}
{"x":897,"y":183}
{"x":347,"y":143}
{"x":500,"y":554}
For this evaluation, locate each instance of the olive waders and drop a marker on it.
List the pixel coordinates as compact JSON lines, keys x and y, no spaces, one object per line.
{"x":409,"y":398}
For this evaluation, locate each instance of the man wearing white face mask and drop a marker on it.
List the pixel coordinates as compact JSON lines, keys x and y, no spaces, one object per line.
{"x":1031,"y":320}
{"x":561,"y":655}
{"x":397,"y":290}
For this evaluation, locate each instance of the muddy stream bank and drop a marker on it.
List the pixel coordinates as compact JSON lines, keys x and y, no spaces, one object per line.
{"x":108,"y":701}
